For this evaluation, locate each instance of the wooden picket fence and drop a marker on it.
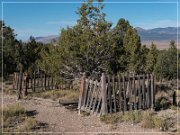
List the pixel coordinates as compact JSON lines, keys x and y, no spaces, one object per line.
{"x":40,"y":81}
{"x":116,"y":93}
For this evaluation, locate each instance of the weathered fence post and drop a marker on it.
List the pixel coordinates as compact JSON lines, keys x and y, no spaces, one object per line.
{"x":120,"y":87}
{"x":152,"y":92}
{"x":82,"y":88}
{"x":104,"y":95}
{"x":14,"y":81}
{"x":143,"y":90}
{"x":19,"y":90}
{"x":25,"y":80}
{"x":41,"y":81}
{"x":34,"y":82}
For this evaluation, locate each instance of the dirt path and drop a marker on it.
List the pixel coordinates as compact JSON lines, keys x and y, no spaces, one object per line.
{"x":62,"y":120}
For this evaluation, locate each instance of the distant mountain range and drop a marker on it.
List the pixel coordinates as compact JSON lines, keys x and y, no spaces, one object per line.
{"x":159,"y":36}
{"x":47,"y":39}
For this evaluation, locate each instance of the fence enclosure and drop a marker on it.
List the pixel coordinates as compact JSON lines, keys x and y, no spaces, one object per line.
{"x":109,"y":94}
{"x":116,"y":93}
{"x":40,"y":81}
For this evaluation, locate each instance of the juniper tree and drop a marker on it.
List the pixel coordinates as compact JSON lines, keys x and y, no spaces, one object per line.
{"x":119,"y":61}
{"x":151,"y":59}
{"x":132,"y":46}
{"x":8,"y":48}
{"x":86,"y":46}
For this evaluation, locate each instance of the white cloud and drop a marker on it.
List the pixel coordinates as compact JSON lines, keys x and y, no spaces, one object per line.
{"x":156,"y":24}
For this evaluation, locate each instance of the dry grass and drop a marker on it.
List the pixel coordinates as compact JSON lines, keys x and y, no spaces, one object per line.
{"x":111,"y":119}
{"x":152,"y":120}
{"x":147,"y":119}
{"x":30,"y":124}
{"x":131,"y":116}
{"x":15,"y":119}
{"x":58,"y":94}
{"x":12,"y":115}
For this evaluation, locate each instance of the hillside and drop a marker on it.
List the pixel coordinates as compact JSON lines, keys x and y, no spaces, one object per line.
{"x":160,"y":36}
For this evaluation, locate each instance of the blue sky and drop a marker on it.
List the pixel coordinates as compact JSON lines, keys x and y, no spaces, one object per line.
{"x":39,"y":19}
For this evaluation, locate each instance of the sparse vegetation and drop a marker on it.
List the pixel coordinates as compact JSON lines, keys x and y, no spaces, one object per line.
{"x":131,"y":116}
{"x":152,"y":120}
{"x":111,"y":119}
{"x":15,"y":119}
{"x":147,"y":119}
{"x":58,"y":94}
{"x":30,"y":124}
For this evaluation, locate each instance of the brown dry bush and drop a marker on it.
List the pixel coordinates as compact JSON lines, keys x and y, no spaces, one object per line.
{"x":162,"y":101}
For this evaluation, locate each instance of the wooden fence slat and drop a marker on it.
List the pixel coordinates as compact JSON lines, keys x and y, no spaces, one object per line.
{"x":42,"y":82}
{"x":99,"y":100}
{"x":130,"y":94}
{"x":114,"y":94}
{"x":103,"y":95}
{"x":92,"y":95}
{"x":98,"y":105}
{"x":89,"y":94}
{"x":109,"y":95}
{"x":143,"y":90}
{"x":34,"y":83}
{"x":96,"y":98}
{"x":148,"y":96}
{"x":124,"y":92}
{"x":81,"y":95}
{"x":152,"y":92}
{"x":120,"y":87}
{"x":85,"y":93}
{"x":139,"y":93}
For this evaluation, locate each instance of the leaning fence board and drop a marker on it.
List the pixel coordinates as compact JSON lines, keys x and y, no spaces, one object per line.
{"x":89,"y":94}
{"x":119,"y":83}
{"x":109,"y":94}
{"x":118,"y":93}
{"x":114,"y":94}
{"x":97,"y":91}
{"x":92,"y":97}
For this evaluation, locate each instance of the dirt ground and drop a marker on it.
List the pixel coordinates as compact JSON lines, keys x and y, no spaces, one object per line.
{"x":59,"y":120}
{"x":63,"y":121}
